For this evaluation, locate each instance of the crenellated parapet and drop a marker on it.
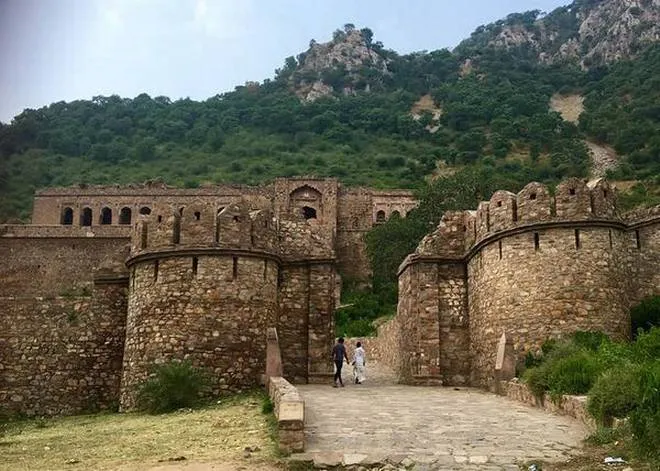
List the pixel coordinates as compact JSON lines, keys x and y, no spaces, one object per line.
{"x":574,"y":201}
{"x":234,"y":227}
{"x":448,"y":239}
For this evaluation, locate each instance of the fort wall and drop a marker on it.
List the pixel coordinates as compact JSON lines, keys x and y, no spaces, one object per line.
{"x":62,"y":355}
{"x":55,"y":262}
{"x":209,"y":270}
{"x":534,"y":266}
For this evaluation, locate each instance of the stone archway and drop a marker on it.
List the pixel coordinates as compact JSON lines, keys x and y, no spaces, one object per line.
{"x":306,"y":202}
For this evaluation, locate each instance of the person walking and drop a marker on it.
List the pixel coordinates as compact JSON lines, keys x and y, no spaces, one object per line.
{"x":359,"y":364}
{"x":338,"y":355}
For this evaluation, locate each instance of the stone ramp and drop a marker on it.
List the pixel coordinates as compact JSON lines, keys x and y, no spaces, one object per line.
{"x":434,"y":427}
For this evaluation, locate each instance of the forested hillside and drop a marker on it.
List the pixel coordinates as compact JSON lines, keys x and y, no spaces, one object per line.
{"x":350,"y":109}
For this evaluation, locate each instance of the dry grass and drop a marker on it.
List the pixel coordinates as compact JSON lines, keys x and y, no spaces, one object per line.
{"x":570,"y":107}
{"x":210,"y":438}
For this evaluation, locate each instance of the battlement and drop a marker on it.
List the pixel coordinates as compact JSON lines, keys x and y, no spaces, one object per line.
{"x":235,"y":227}
{"x":573,"y":201}
{"x":201,"y":225}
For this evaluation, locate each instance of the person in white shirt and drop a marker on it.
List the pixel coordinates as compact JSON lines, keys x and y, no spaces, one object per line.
{"x":359,"y":364}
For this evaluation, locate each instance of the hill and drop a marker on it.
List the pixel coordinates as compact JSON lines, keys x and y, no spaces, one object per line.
{"x":352,"y":109}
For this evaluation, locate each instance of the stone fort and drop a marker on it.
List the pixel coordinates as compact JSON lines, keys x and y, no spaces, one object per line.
{"x":107,"y":281}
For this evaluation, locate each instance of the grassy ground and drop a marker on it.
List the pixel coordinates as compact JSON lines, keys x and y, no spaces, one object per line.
{"x":599,"y":446}
{"x":215,"y":438}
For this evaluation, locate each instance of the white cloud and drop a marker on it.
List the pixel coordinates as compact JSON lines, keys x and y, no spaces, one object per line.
{"x":223,"y":19}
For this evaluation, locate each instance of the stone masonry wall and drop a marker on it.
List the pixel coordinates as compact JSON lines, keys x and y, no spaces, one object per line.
{"x":537,"y":265}
{"x":434,"y":323}
{"x":62,"y":355}
{"x":383,"y":347}
{"x":293,"y":321}
{"x":210,"y":310}
{"x":532,"y":294}
{"x":44,"y":266}
{"x":354,"y":220}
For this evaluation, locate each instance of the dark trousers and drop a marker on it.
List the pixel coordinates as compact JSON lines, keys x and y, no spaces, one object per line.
{"x":339,"y":364}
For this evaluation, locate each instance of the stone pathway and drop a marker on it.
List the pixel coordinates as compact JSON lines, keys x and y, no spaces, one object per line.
{"x":432,"y":427}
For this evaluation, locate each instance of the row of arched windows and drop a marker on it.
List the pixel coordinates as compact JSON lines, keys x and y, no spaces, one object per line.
{"x":105,"y":216}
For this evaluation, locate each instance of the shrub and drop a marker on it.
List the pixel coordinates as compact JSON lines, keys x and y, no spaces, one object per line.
{"x":645,"y":419}
{"x":615,"y":393}
{"x":645,"y":315}
{"x":267,"y":406}
{"x":647,"y":346}
{"x":589,"y":340}
{"x":574,"y":374}
{"x":537,"y":380}
{"x":566,"y":369}
{"x":171,"y":386}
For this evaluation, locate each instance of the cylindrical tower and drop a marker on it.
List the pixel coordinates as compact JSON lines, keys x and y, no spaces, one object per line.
{"x":545,"y":268}
{"x":203,"y":288}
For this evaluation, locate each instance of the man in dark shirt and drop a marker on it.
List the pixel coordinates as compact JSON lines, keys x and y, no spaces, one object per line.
{"x":338,"y":355}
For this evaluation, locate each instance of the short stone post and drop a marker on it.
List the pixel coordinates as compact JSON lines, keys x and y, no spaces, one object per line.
{"x":505,"y":362}
{"x":273,"y":355}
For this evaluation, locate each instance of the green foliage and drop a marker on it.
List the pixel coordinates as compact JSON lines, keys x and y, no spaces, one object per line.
{"x":171,"y":386}
{"x":645,"y":419}
{"x":615,"y":393}
{"x":607,"y":435}
{"x":622,"y":380}
{"x":569,"y":367}
{"x":360,"y":308}
{"x":646,"y":314}
{"x":589,"y":340}
{"x":267,"y":406}
{"x":623,"y":109}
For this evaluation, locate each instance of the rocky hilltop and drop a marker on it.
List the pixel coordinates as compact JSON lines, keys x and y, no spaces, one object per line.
{"x":343,"y":64}
{"x":589,"y":32}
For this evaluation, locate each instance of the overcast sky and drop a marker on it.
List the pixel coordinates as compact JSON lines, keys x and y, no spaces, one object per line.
{"x":52,"y":50}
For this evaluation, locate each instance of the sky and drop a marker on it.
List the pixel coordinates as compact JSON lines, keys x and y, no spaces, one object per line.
{"x":54,"y":50}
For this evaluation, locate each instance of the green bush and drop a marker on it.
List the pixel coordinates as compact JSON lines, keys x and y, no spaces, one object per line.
{"x":267,"y":406}
{"x":574,"y":374}
{"x":645,"y":419}
{"x":645,"y":315}
{"x":589,"y":340}
{"x":171,"y":386}
{"x":647,"y":346}
{"x":615,"y":394}
{"x":537,"y":380}
{"x":568,"y":367}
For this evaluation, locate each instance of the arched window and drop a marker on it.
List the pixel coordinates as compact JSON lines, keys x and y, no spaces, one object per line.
{"x":309,"y":212}
{"x":67,"y":217}
{"x":125,"y":216}
{"x":106,"y":216}
{"x":395,"y":214}
{"x":380,"y":216}
{"x":86,"y":217}
{"x":145,"y":210}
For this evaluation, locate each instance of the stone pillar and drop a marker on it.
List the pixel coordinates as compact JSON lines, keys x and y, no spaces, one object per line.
{"x":321,"y":319}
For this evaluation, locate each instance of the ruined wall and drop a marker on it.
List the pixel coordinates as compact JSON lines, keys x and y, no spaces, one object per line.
{"x":531,"y":265}
{"x":550,"y":291}
{"x":62,"y":261}
{"x":203,"y":288}
{"x":62,"y":355}
{"x":644,"y":256}
{"x":353,"y":222}
{"x":383,"y":348}
{"x":213,"y":313}
{"x":49,"y":203}
{"x":434,"y":323}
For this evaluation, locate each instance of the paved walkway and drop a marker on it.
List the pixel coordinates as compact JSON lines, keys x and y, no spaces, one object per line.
{"x":437,"y":428}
